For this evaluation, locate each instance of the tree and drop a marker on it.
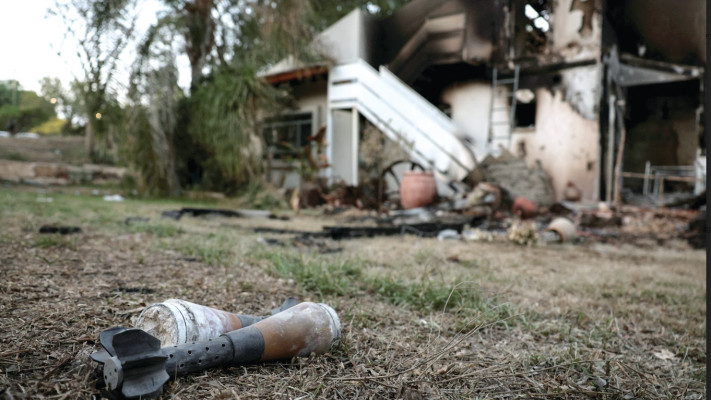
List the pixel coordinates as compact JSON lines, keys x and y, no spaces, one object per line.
{"x":194,"y":19}
{"x":102,"y":30}
{"x":226,"y":108}
{"x":65,"y":103}
{"x":21,"y":110}
{"x":8,"y":92}
{"x":217,"y":141}
{"x":53,"y":126}
{"x":326,"y":12}
{"x":153,"y":114}
{"x":9,"y":111}
{"x":208,"y":29}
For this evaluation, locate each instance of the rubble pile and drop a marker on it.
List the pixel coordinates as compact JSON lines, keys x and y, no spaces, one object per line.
{"x":513,"y":174}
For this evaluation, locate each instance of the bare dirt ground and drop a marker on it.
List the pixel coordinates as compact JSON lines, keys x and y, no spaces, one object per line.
{"x":421,"y":318}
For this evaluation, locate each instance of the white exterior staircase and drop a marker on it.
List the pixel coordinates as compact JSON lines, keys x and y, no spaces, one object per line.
{"x":427,"y":134}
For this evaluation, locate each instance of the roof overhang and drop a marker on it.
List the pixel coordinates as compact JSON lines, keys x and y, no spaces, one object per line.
{"x":296,"y":74}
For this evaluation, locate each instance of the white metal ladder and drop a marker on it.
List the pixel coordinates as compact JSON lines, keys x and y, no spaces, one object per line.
{"x":497,"y":112}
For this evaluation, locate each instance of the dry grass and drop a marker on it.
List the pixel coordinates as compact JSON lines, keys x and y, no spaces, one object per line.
{"x":65,"y":149}
{"x":553,"y":322}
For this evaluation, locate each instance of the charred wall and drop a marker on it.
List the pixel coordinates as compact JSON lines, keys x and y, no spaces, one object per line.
{"x":564,"y":142}
{"x":663,"y":30}
{"x":661,"y":126}
{"x":665,"y":41}
{"x":484,"y":19}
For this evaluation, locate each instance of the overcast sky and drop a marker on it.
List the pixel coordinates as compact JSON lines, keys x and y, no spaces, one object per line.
{"x":29,"y":44}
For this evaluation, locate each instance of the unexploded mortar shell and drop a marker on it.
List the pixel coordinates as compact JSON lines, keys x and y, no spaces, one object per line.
{"x":176,"y":322}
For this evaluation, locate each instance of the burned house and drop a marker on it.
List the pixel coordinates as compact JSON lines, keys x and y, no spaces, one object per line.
{"x":595,"y":92}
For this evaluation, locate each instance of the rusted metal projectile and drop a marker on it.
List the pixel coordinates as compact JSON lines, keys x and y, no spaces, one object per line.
{"x":178,"y":321}
{"x":135,"y":365}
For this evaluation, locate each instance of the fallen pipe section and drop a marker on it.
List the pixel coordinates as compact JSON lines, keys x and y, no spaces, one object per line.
{"x":135,"y":365}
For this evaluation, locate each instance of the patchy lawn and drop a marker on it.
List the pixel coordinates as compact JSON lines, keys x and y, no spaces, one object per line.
{"x":64,"y":149}
{"x":421,"y":318}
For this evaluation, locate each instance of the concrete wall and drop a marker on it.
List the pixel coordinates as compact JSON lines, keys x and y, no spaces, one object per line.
{"x":353,"y":36}
{"x":349,"y":38}
{"x":564,"y":142}
{"x":582,"y":89}
{"x":344,"y":148}
{"x":469,"y":103}
{"x":674,"y":31}
{"x":479,"y":35}
{"x":576,"y":29}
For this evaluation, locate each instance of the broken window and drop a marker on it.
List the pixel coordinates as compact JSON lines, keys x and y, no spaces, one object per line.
{"x":662,"y":135}
{"x":286,"y":134}
{"x":532,"y":23}
{"x":538,"y":18}
{"x":525,"y":116}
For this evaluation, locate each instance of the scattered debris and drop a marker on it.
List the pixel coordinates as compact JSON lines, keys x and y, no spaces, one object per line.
{"x":62,"y":230}
{"x":664,"y":354}
{"x":561,"y":208}
{"x":515,"y":178}
{"x":135,"y":220}
{"x":201,"y":212}
{"x":259,"y":214}
{"x":271,"y":241}
{"x":696,"y":232}
{"x":564,"y":228}
{"x":601,"y":218}
{"x":594,"y":220}
{"x":172,"y":214}
{"x":524,"y":208}
{"x":478,"y":235}
{"x":600,"y":383}
{"x":523,"y":233}
{"x":303,"y":241}
{"x":279,"y":231}
{"x":135,"y":365}
{"x":572,"y":192}
{"x":113,"y":197}
{"x":141,"y":290}
{"x":322,"y":247}
{"x":426,"y":229}
{"x":308,"y":195}
{"x":411,"y":216}
{"x":448,"y":234}
{"x":483,"y":200}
